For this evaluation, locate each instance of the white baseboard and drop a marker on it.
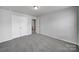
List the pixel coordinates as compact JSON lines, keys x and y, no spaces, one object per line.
{"x":60,"y":39}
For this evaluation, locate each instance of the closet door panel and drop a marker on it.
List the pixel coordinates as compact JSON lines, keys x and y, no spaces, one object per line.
{"x":23,"y":26}
{"x":16,"y":28}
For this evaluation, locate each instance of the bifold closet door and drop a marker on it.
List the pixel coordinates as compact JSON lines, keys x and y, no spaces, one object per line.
{"x":16,"y":22}
{"x":21,"y":26}
{"x":24,"y":26}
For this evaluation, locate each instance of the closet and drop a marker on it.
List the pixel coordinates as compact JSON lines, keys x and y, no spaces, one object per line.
{"x":21,"y":25}
{"x":14,"y":25}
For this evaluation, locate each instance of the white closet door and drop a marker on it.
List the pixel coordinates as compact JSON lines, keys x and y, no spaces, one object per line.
{"x":16,"y":26}
{"x":21,"y":25}
{"x":24,"y":26}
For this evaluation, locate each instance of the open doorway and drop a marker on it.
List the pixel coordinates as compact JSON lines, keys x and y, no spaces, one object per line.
{"x":33,"y":26}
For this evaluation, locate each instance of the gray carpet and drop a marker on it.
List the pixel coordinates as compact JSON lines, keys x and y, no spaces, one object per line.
{"x":37,"y":43}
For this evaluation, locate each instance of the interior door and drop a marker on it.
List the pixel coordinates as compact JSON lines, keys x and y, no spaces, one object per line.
{"x":33,"y":25}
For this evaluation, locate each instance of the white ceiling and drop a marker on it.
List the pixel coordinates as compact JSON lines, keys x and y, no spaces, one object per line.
{"x":29,"y":9}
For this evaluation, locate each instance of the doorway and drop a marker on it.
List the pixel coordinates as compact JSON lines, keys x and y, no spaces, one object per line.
{"x":33,"y":25}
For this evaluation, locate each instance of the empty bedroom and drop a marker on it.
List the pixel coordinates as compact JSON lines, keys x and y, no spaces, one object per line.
{"x":39,"y":29}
